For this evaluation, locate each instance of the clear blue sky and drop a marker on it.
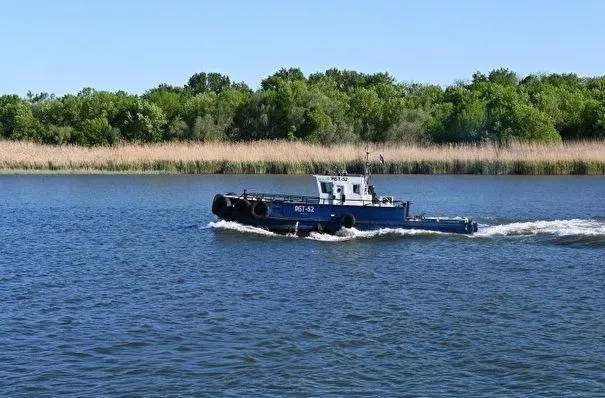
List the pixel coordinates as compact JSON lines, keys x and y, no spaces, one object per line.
{"x":62,"y":46}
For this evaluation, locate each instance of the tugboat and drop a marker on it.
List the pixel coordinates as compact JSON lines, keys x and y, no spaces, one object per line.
{"x":343,"y":201}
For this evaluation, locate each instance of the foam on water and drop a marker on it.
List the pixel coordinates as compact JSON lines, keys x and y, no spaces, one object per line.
{"x":352,"y":233}
{"x":342,"y":235}
{"x":561,"y":228}
{"x":573,"y":227}
{"x":234,"y":226}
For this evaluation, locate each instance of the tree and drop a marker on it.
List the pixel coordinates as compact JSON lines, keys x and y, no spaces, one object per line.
{"x":177,"y":130}
{"x":281,"y":77}
{"x":409,"y":128}
{"x":36,"y":98}
{"x":168,"y":98}
{"x":346,"y":80}
{"x":563,"y":98}
{"x":364,"y":113}
{"x":594,"y":121}
{"x":207,"y":82}
{"x":96,"y":131}
{"x":418,"y":96}
{"x":139,"y":120}
{"x":57,"y":135}
{"x":17,"y":120}
{"x":251,"y":121}
{"x":502,"y":76}
{"x":327,"y":107}
{"x":467,"y":121}
{"x":529,"y":124}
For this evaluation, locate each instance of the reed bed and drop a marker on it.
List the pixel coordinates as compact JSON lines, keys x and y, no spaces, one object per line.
{"x":281,"y":157}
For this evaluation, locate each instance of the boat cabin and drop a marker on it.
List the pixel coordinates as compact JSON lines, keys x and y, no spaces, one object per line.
{"x":349,"y":190}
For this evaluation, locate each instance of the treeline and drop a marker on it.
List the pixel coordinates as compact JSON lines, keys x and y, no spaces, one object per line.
{"x":337,"y":106}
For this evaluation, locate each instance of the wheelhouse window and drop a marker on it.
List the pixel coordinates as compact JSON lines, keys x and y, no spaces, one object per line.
{"x":326,"y":187}
{"x":356,"y":188}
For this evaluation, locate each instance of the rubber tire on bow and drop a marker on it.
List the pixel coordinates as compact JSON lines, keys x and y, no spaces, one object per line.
{"x":242,"y":208}
{"x":348,"y":221}
{"x":221,"y":205}
{"x":259,"y":210}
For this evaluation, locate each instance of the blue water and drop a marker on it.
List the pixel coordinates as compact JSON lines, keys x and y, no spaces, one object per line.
{"x":128,"y":286}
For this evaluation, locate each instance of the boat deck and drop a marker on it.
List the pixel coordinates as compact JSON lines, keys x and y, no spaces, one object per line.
{"x":306,"y":199}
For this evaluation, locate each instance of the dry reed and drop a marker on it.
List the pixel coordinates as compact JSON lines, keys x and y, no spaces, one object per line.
{"x":204,"y":157}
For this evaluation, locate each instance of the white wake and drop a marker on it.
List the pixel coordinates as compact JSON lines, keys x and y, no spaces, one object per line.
{"x":573,"y":227}
{"x":352,"y":233}
{"x":342,"y":235}
{"x":234,"y":226}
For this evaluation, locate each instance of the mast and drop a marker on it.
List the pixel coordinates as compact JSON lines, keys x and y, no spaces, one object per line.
{"x":366,"y":168}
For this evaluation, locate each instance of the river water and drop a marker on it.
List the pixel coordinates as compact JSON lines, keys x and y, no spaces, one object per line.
{"x":128,"y":286}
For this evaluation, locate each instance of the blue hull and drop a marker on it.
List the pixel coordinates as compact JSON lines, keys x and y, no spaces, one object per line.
{"x":308,"y":215}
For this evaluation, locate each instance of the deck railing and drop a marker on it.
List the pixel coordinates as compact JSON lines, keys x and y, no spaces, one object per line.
{"x":308,"y":199}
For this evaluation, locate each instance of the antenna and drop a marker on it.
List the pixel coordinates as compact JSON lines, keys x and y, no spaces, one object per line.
{"x":366,"y":171}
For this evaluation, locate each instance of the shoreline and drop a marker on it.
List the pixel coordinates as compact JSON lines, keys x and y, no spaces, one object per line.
{"x":283,"y":168}
{"x":280,"y":157}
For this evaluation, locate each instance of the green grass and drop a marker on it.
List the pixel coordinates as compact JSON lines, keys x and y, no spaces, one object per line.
{"x":485,"y":167}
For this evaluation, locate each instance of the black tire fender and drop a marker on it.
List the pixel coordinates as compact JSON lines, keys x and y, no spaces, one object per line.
{"x":242,"y":207}
{"x":260,"y":209}
{"x":348,"y":220}
{"x":221,"y":205}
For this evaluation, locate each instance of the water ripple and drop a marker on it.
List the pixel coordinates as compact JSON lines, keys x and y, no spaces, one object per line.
{"x":136,"y":296}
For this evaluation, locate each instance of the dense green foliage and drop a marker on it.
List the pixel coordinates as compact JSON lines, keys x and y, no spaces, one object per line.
{"x":337,"y":106}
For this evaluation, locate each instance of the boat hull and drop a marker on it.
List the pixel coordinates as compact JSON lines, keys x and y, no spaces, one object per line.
{"x":304,"y":217}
